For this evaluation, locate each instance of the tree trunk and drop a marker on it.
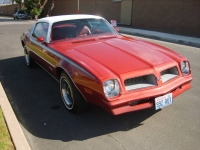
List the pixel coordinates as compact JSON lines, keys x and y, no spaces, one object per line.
{"x":45,"y":1}
{"x":51,"y":8}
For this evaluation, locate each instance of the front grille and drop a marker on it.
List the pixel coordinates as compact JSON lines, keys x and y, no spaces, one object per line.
{"x":140,"y":82}
{"x":169,"y":74}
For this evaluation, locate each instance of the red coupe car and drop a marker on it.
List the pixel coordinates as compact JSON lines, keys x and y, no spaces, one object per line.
{"x":95,"y":64}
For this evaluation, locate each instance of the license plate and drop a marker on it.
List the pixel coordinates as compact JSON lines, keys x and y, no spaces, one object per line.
{"x":163,"y":101}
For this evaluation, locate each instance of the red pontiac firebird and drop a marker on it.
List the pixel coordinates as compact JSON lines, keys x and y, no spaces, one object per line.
{"x":95,"y":64}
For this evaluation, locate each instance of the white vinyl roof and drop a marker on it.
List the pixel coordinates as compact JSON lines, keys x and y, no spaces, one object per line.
{"x":53,"y":19}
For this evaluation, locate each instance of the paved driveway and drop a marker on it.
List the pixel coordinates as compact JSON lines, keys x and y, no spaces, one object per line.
{"x":47,"y":125}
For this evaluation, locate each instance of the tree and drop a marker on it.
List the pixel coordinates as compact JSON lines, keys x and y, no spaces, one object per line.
{"x":19,"y":2}
{"x":51,"y":8}
{"x":35,"y":7}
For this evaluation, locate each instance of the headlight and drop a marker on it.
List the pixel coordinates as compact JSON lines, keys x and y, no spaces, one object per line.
{"x":111,"y":88}
{"x":185,"y":68}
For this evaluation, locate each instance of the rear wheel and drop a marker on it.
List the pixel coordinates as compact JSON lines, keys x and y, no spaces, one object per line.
{"x":72,"y":98}
{"x":29,"y":61}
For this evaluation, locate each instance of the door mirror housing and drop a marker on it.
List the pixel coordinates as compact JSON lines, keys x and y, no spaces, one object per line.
{"x":40,"y":39}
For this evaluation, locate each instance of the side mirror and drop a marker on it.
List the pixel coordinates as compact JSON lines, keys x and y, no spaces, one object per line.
{"x":40,"y":39}
{"x":116,"y":29}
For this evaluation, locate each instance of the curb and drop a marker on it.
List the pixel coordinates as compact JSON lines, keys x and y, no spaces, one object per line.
{"x":185,"y":40}
{"x":14,"y":128}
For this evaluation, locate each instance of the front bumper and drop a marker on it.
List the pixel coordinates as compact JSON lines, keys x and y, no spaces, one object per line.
{"x":22,"y":17}
{"x":142,"y":99}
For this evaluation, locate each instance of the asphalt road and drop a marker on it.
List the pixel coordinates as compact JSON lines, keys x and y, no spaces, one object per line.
{"x":47,"y":125}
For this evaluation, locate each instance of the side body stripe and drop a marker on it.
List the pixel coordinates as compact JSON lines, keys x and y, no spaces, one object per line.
{"x":60,"y":56}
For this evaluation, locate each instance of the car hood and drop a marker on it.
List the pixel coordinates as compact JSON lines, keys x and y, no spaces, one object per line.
{"x":119,"y":55}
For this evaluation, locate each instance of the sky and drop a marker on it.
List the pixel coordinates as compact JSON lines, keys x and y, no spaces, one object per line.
{"x":5,"y":1}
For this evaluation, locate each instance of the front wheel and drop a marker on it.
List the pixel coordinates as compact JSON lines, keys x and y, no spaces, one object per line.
{"x":72,"y":98}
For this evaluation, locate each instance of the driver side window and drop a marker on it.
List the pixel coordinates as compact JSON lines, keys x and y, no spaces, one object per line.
{"x":41,"y":30}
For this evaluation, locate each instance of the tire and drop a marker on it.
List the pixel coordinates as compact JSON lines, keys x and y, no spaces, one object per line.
{"x":14,"y":18}
{"x":73,"y":100}
{"x":29,"y":61}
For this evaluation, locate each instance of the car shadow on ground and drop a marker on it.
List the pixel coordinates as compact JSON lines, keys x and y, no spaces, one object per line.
{"x":35,"y":98}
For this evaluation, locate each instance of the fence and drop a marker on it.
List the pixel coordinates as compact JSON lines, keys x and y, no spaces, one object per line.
{"x":8,"y":10}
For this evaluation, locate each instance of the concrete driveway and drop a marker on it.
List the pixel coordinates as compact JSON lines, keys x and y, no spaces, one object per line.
{"x":35,"y":98}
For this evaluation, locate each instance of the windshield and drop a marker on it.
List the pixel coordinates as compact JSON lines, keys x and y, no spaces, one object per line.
{"x":21,"y":12}
{"x":81,"y":28}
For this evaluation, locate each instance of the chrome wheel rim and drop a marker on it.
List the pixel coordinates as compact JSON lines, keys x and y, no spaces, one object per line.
{"x":26,"y":57}
{"x":66,"y":93}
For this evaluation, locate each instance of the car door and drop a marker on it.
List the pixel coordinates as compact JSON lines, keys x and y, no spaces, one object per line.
{"x":40,"y":51}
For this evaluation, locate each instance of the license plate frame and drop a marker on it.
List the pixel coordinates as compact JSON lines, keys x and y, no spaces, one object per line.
{"x":163,"y":101}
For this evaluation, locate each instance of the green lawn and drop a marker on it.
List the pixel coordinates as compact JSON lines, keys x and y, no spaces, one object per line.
{"x":5,"y":140}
